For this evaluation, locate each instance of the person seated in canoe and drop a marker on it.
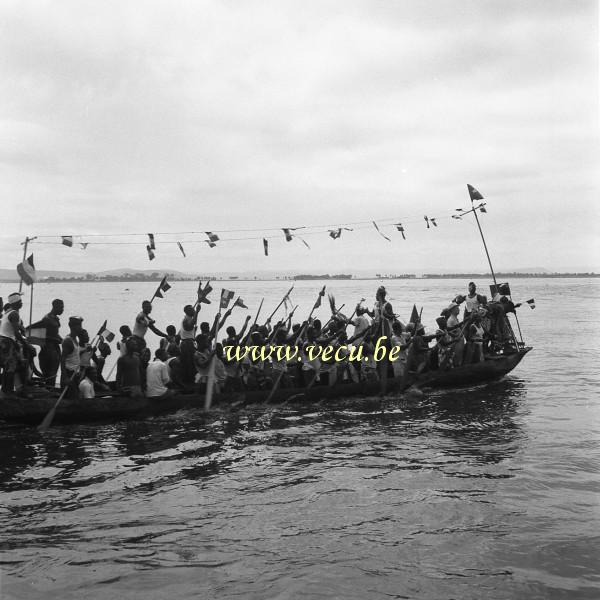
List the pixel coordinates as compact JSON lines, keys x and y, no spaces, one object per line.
{"x":125,"y":332}
{"x":475,"y":337}
{"x":172,"y":337}
{"x":99,"y":355}
{"x":143,"y":322}
{"x":361,"y":321}
{"x":158,"y":377}
{"x":202,"y":358}
{"x":129,"y":372}
{"x":453,"y":326}
{"x":399,"y":340}
{"x":85,"y":349}
{"x":175,"y":367}
{"x":444,"y":348}
{"x":87,"y":390}
{"x":418,"y":353}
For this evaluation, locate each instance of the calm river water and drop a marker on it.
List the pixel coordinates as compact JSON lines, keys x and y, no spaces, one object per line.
{"x":488,"y":492}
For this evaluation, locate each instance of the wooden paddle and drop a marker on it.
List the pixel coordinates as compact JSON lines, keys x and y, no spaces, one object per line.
{"x":43,"y":426}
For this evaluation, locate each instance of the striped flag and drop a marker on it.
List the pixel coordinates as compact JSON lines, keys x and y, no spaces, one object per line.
{"x":109,"y":336}
{"x":26,"y":271}
{"x":226,"y":297}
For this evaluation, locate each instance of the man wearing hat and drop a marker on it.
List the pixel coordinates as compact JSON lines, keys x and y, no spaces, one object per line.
{"x":12,"y":339}
{"x":70,"y":361}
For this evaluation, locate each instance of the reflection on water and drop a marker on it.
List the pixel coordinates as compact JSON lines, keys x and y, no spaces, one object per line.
{"x":372,"y":497}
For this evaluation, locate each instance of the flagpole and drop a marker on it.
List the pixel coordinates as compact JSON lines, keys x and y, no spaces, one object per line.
{"x":30,"y":308}
{"x":484,"y":244}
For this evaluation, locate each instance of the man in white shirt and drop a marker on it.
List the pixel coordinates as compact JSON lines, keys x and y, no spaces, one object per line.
{"x":86,"y":385}
{"x":157,"y":376}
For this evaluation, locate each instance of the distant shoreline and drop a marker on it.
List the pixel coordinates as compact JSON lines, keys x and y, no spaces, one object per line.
{"x":426,"y":276}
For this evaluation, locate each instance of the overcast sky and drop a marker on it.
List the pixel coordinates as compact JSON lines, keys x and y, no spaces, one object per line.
{"x":191,"y":116}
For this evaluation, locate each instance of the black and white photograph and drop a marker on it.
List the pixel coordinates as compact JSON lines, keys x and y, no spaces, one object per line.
{"x":300,"y":299}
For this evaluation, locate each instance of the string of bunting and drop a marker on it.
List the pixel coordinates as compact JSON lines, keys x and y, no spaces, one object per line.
{"x":290,"y":233}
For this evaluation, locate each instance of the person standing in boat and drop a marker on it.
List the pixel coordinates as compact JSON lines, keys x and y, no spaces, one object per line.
{"x":12,"y":339}
{"x":473,"y":301}
{"x":143,"y":322}
{"x":187,"y":345}
{"x":70,"y":356}
{"x":382,"y":313}
{"x":129,"y":372}
{"x":49,"y":355}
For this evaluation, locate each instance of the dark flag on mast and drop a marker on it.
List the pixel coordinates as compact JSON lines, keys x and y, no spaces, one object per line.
{"x":473,"y":193}
{"x":163,"y":287}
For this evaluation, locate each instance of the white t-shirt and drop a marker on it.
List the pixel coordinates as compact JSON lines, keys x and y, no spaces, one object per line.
{"x":86,"y":389}
{"x":157,"y":377}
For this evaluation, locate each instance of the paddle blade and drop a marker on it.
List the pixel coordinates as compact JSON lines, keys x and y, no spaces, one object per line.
{"x":210,"y":385}
{"x":45,"y":424}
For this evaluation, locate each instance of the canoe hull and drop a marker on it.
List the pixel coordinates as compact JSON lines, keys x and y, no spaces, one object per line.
{"x":116,"y":408}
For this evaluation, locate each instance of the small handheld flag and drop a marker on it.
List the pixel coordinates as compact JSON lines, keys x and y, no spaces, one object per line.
{"x":531,"y":303}
{"x":203,"y":293}
{"x":26,"y":271}
{"x":109,"y":336}
{"x":473,"y":193}
{"x":239,"y":302}
{"x":226,"y":297}
{"x":67,"y":240}
{"x":162,"y":287}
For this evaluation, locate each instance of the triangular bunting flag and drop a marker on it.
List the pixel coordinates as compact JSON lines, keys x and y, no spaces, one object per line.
{"x":67,"y":240}
{"x":150,"y":253}
{"x":213,"y":237}
{"x":151,"y":241}
{"x":181,"y":248}
{"x":380,"y":233}
{"x":288,"y":235}
{"x":266,"y":246}
{"x":473,"y":193}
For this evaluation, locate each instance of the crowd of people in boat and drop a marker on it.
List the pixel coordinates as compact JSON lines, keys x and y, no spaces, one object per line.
{"x":191,"y":355}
